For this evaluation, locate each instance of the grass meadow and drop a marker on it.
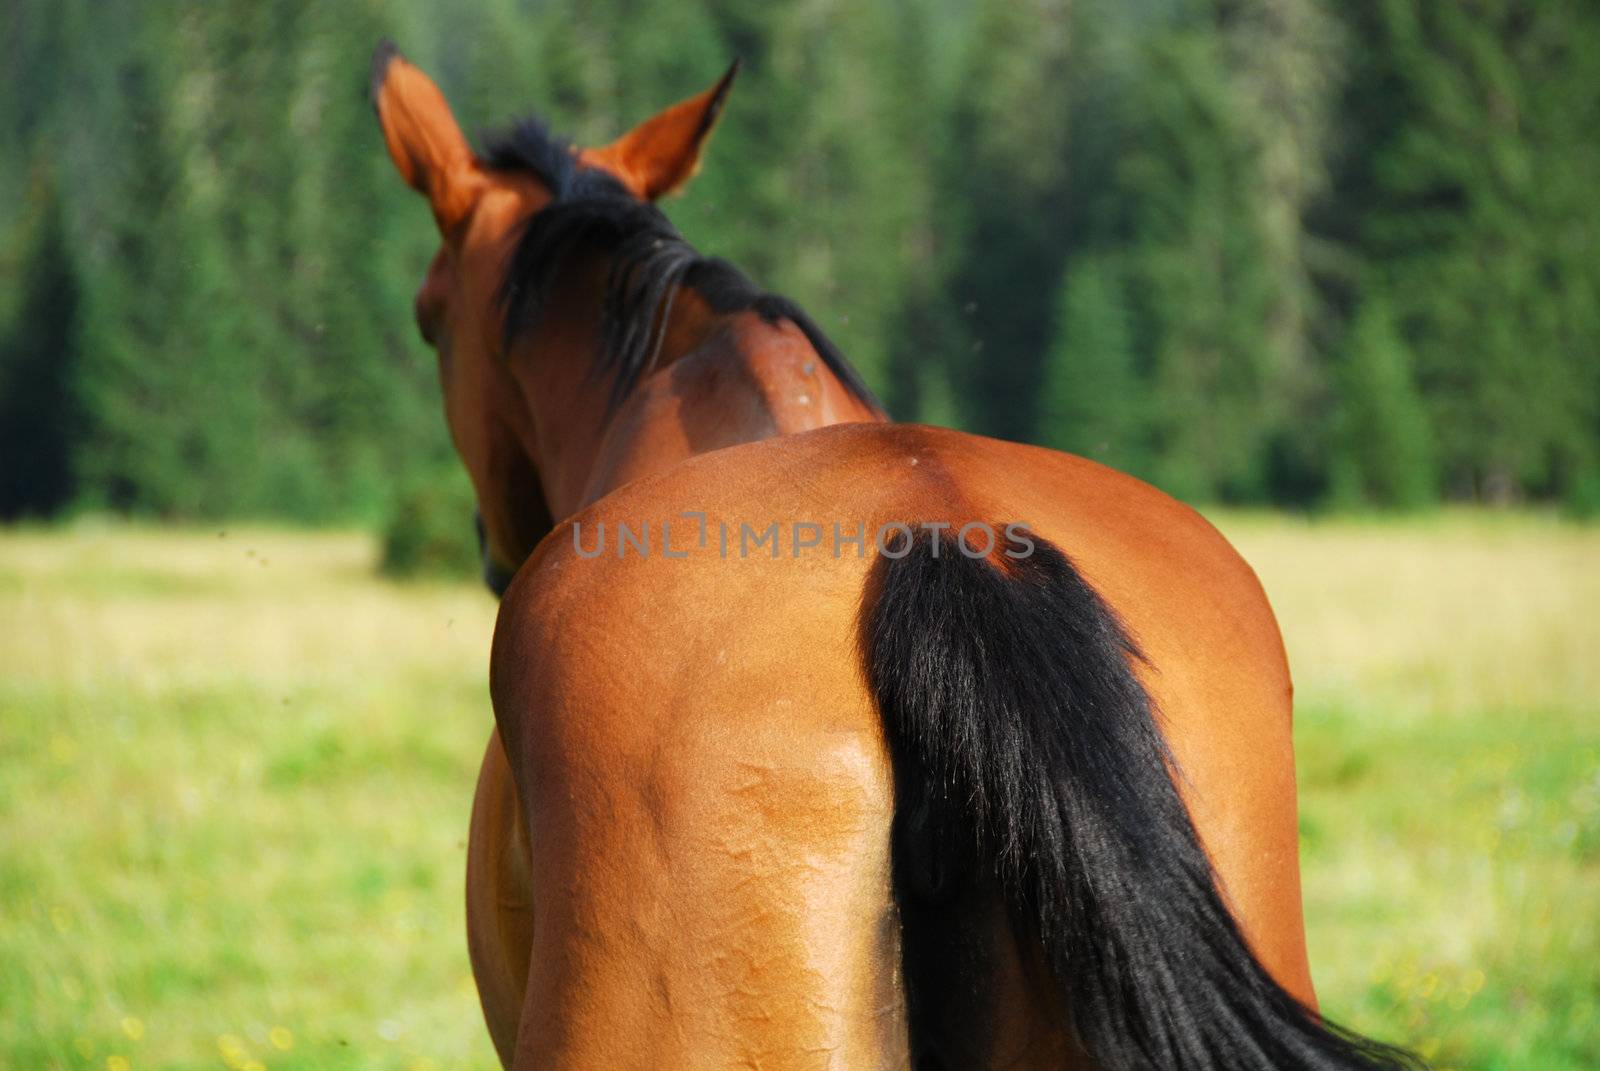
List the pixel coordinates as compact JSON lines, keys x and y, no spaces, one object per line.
{"x":236,"y":766}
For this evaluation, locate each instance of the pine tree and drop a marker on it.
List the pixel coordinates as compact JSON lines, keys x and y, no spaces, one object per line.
{"x":1383,"y":451}
{"x":1191,"y":185}
{"x":1094,"y":401}
{"x":1286,"y":61}
{"x":1467,"y":183}
{"x":168,"y":416}
{"x":1004,"y":202}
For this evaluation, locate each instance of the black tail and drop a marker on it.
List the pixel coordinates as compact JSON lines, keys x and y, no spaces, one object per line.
{"x":1028,"y":766}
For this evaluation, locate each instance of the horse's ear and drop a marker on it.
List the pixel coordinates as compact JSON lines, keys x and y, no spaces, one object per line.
{"x":423,"y":139}
{"x":663,"y":152}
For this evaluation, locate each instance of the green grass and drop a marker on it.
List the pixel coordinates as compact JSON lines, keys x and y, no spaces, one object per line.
{"x":1448,"y":741}
{"x":235,"y":771}
{"x":235,"y":774}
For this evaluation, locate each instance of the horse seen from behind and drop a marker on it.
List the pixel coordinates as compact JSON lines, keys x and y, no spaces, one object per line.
{"x":822,"y":741}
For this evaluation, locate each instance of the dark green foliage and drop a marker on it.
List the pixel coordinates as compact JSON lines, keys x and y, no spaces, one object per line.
{"x":1005,"y":204}
{"x":38,"y":413}
{"x":1468,"y":184}
{"x":1382,"y":455}
{"x":171,"y":415}
{"x":1583,"y":496}
{"x":430,"y":532}
{"x":1256,"y":250}
{"x":1192,"y":188}
{"x":1093,"y":397}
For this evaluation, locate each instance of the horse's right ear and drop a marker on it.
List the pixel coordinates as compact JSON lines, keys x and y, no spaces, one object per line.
{"x":423,"y":139}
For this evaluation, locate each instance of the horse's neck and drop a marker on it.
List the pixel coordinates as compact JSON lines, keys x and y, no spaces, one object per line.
{"x":719,"y":380}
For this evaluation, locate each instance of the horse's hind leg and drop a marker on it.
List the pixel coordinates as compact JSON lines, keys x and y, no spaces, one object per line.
{"x":499,"y":899}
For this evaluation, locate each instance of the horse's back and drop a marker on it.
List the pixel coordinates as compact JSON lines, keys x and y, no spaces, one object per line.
{"x":703,"y":769}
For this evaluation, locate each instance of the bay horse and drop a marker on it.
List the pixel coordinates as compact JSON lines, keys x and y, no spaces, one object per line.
{"x":981,"y":758}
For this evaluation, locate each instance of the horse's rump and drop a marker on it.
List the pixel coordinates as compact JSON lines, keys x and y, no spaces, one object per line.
{"x":706,"y":764}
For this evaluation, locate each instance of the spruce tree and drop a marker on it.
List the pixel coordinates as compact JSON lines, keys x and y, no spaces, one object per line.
{"x":1466,"y":182}
{"x":1094,"y":401}
{"x":1383,"y":451}
{"x":1191,"y":184}
{"x":1005,"y":205}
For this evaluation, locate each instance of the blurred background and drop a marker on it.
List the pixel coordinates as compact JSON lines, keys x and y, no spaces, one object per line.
{"x":1328,"y":270}
{"x":1259,"y":251}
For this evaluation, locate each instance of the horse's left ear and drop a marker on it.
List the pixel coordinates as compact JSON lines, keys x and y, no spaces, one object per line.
{"x":423,"y":139}
{"x":663,"y":152}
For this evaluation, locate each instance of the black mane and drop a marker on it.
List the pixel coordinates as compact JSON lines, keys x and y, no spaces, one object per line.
{"x":650,"y":261}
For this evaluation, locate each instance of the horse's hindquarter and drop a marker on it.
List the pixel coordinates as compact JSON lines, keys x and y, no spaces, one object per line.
{"x":1215,"y":669}
{"x":710,"y":801}
{"x":1215,"y":666}
{"x":703,"y":769}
